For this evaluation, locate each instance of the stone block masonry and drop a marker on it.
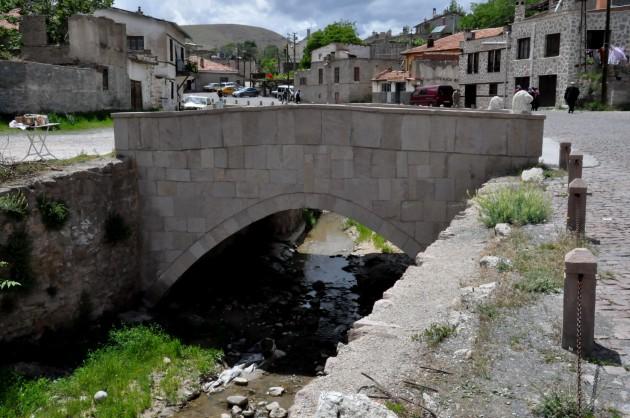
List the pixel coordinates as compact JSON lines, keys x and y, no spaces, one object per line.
{"x":402,"y":172}
{"x":74,"y":271}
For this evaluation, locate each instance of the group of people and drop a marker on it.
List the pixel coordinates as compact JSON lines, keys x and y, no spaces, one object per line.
{"x":571,"y":95}
{"x":287,"y":96}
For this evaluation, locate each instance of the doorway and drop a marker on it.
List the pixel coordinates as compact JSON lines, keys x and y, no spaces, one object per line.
{"x":547,"y":88}
{"x":136,"y":95}
{"x":400,"y":87}
{"x":470,"y":95}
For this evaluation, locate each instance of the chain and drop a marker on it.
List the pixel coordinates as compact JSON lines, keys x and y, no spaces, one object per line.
{"x":579,"y":346}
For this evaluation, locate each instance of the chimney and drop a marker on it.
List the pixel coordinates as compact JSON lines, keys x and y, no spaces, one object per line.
{"x":519,"y":10}
{"x":434,"y":12}
{"x":430,"y":43}
{"x":469,"y":35}
{"x":140,"y":12}
{"x":600,"y":4}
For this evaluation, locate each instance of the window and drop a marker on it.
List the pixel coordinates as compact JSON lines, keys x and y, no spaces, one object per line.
{"x":595,"y":39}
{"x":302,"y":81}
{"x":493,"y":89}
{"x":386,"y":87}
{"x":181,"y":51}
{"x":105,"y":79}
{"x":171,"y":49}
{"x":473,"y":63}
{"x":135,"y":43}
{"x":522,"y":51}
{"x":336,"y":74}
{"x":321,"y":76}
{"x":494,"y":61}
{"x":552,"y":45}
{"x":336,"y":97}
{"x":522,"y":81}
{"x":357,"y":74}
{"x":172,"y":90}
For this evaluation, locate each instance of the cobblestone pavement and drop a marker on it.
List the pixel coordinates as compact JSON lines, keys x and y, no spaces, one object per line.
{"x":61,"y":145}
{"x":606,"y":136}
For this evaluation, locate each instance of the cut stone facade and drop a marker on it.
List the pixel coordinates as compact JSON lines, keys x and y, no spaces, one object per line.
{"x":403,"y":172}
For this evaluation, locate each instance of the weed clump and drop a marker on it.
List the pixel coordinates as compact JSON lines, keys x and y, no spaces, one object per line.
{"x":517,"y":205}
{"x":14,"y":205}
{"x":436,"y":333}
{"x":54,"y":213}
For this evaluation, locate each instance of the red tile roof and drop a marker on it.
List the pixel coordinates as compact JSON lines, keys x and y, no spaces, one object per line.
{"x":210,"y":66}
{"x":8,"y":25}
{"x":451,"y":43}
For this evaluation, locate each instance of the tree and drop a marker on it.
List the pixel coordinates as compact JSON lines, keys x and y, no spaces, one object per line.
{"x":342,"y":31}
{"x":57,"y":12}
{"x":494,"y":13}
{"x":454,"y":7}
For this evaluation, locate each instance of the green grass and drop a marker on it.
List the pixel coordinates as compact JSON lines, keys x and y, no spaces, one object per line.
{"x":365,"y":234}
{"x":15,"y":171}
{"x":518,"y":205}
{"x":396,"y":407}
{"x":123,"y":368}
{"x":14,"y":205}
{"x":70,"y":122}
{"x":560,"y":404}
{"x":436,"y":333}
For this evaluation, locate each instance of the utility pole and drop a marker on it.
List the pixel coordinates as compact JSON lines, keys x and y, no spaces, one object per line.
{"x":605,"y":57}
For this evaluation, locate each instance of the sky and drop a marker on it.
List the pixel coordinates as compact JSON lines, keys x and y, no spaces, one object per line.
{"x":288,"y":16}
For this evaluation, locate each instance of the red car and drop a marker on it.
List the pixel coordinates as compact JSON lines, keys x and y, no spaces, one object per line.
{"x":432,"y":96}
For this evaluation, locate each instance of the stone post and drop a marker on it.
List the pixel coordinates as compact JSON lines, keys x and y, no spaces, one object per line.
{"x":574,"y":166}
{"x":580,"y":270}
{"x":576,"y":208}
{"x":565,"y":151}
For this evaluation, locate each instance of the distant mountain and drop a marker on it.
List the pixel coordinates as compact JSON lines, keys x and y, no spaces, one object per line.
{"x":217,"y":35}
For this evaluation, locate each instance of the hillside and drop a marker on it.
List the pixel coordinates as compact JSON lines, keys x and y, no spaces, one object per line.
{"x":217,"y":35}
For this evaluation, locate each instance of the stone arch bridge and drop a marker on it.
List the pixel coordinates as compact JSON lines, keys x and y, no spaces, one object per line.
{"x":404,"y":172}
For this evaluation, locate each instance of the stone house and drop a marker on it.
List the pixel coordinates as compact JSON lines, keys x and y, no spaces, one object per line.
{"x":553,"y":48}
{"x":86,"y":74}
{"x":340,"y":73}
{"x":483,"y":67}
{"x":438,"y":26}
{"x":209,"y":71}
{"x":156,"y":63}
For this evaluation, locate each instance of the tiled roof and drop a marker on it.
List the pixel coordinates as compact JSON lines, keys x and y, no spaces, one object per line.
{"x":392,"y":75}
{"x":451,"y":43}
{"x":210,"y":66}
{"x":8,"y":25}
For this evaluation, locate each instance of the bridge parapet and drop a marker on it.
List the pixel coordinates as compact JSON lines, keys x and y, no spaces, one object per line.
{"x":403,"y":172}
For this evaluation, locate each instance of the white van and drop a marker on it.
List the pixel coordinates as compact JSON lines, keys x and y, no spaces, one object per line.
{"x":281,"y":89}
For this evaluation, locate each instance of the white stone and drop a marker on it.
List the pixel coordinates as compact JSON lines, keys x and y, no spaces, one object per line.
{"x":238,"y":400}
{"x":522,"y":102}
{"x":502,"y":230}
{"x":271,"y":406}
{"x":463,"y":353}
{"x":533,"y":174}
{"x":496,"y":103}
{"x":166,"y":360}
{"x":278,"y":413}
{"x":100,"y":396}
{"x":226,"y":416}
{"x":240,"y":381}
{"x":236,"y":410}
{"x":335,"y":404}
{"x":492,"y":261}
{"x":275,"y":391}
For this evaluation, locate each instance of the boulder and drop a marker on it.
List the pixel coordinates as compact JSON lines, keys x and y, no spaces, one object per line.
{"x":240,"y":381}
{"x":275,"y":391}
{"x":278,"y":413}
{"x":238,"y":400}
{"x":271,"y":406}
{"x":502,"y":230}
{"x":335,"y":404}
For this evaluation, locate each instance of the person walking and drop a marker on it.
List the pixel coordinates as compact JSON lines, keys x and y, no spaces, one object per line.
{"x":456,"y":98}
{"x":571,"y":95}
{"x":535,"y":102}
{"x":298,"y":99}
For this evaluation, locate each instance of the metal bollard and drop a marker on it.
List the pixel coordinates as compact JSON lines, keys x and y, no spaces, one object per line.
{"x":565,"y":151}
{"x":574,"y":166}
{"x":578,"y":318}
{"x":261,"y":103}
{"x":248,"y":103}
{"x":235,"y":101}
{"x":576,"y":208}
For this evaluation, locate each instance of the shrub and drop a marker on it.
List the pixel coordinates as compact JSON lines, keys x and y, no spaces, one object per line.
{"x":560,"y":405}
{"x":518,"y":205}
{"x":116,"y":229}
{"x":14,"y":204}
{"x":54,"y":212}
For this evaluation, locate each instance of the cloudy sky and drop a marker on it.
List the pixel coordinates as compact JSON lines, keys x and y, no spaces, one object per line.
{"x":284,"y":16}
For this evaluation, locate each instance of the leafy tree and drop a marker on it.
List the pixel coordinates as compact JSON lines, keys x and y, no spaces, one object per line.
{"x":269,"y":65}
{"x":494,"y":13}
{"x":342,"y":31}
{"x":57,"y":12}
{"x":454,"y":7}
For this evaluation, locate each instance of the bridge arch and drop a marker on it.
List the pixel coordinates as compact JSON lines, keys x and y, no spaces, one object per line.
{"x":404,"y":172}
{"x":270,"y":206}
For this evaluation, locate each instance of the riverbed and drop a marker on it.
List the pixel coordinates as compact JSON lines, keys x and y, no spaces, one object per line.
{"x":300,"y":300}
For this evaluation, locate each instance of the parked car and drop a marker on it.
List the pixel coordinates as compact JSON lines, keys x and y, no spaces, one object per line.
{"x":212,"y":87}
{"x":279,"y":91}
{"x":228,"y":90}
{"x":246,"y":92}
{"x":196,"y":102}
{"x":432,"y":96}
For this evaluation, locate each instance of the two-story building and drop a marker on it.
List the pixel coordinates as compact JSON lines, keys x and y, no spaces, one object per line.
{"x":156,"y":62}
{"x":483,"y":71}
{"x":561,"y":44}
{"x":439,"y":25}
{"x":340,"y":73}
